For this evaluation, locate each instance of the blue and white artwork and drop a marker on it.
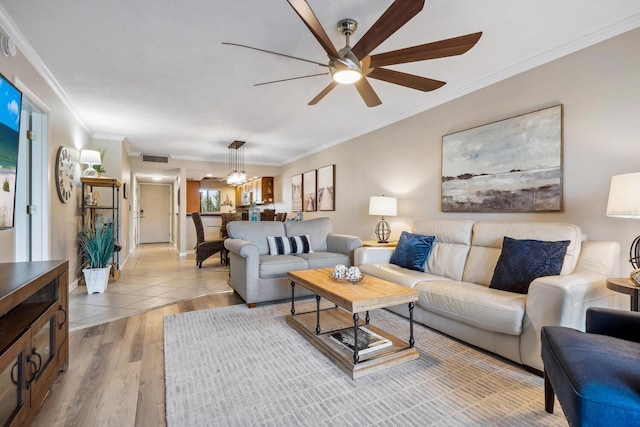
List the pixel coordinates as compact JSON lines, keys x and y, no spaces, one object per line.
{"x":514,"y":165}
{"x":10,"y":104}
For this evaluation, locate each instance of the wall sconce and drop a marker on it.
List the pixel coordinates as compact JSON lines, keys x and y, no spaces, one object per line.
{"x":381,"y":205}
{"x":90,"y":157}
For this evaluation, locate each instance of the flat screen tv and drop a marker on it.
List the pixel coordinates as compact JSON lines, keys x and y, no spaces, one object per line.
{"x":10,"y":104}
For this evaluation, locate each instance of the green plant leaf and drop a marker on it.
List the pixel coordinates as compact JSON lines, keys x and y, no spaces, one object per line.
{"x":97,"y":244}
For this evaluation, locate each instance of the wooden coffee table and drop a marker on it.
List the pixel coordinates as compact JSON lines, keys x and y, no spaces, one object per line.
{"x":350,"y":300}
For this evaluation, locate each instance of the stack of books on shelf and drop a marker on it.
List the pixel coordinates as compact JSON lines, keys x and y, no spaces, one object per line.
{"x":368,"y":340}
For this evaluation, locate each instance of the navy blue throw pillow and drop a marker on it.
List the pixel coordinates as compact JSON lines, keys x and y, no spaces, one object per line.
{"x":412,"y":251}
{"x":522,"y":261}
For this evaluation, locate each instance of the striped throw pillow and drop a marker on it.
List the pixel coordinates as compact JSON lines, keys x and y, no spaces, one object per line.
{"x":280,"y":245}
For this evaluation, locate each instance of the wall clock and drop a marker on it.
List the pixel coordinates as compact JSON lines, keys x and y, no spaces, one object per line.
{"x":64,"y":174}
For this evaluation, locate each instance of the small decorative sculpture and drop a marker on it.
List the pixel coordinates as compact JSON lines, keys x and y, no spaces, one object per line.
{"x":339,"y":271}
{"x":353,"y":274}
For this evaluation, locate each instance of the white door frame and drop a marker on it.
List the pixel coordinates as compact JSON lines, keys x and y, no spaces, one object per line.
{"x":40,"y":217}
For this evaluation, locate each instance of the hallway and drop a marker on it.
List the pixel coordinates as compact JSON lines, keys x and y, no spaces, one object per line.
{"x":153,"y":276}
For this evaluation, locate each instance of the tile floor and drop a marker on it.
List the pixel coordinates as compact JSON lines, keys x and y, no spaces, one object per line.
{"x":153,"y":276}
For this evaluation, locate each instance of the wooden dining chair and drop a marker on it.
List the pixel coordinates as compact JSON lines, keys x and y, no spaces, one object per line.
{"x":281,"y":216}
{"x":268,"y":215}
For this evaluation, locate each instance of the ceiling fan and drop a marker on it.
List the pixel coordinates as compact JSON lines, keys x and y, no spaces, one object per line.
{"x":353,"y":65}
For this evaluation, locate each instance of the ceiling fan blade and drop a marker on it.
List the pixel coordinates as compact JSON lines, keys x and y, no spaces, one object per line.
{"x":398,"y":14}
{"x":305,"y":13}
{"x":367,"y":93}
{"x":408,"y":80}
{"x":291,"y":78}
{"x":322,"y":94}
{"x":276,"y":53}
{"x":440,"y":49}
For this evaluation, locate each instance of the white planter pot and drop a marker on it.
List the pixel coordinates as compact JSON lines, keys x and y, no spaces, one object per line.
{"x":96,"y":279}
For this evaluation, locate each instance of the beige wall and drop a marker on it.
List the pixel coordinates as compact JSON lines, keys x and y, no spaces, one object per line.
{"x":64,"y":129}
{"x":601,"y":96}
{"x":116,"y":165}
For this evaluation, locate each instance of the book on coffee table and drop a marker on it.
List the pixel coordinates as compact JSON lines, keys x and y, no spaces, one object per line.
{"x":368,"y":340}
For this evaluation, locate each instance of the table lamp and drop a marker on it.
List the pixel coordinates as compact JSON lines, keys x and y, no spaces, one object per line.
{"x":381,"y":205}
{"x":625,"y":203}
{"x":90,"y":157}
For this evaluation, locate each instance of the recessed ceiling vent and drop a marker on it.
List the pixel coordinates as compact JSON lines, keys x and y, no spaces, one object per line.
{"x":155,"y":159}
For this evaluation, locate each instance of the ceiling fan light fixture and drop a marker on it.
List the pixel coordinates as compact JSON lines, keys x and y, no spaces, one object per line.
{"x":345,"y":70}
{"x":346,"y":76}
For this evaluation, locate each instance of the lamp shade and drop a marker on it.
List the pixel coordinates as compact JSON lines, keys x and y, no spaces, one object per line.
{"x":91,"y":157}
{"x":383,"y":206}
{"x":623,"y":196}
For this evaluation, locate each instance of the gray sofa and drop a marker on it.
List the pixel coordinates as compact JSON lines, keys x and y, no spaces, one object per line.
{"x":455,"y":297}
{"x":257,"y":276}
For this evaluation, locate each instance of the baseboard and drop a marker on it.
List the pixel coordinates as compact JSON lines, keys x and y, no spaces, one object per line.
{"x":122,"y":264}
{"x":73,"y":285}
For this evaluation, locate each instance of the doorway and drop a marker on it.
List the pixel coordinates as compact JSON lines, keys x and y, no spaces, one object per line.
{"x":155,"y":213}
{"x":31,"y":238}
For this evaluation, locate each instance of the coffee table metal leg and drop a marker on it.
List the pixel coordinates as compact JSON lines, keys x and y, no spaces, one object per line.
{"x":356,"y":356}
{"x":317,"y":314}
{"x":293,"y":308}
{"x":411,"y":340}
{"x":366,"y":319}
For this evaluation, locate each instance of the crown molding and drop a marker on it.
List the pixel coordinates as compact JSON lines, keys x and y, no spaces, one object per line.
{"x":12,"y":30}
{"x":109,"y":137}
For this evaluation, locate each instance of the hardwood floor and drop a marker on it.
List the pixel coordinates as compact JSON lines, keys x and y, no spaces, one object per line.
{"x":116,"y":371}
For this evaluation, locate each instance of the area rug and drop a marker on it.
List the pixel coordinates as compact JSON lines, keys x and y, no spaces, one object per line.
{"x":236,"y":366}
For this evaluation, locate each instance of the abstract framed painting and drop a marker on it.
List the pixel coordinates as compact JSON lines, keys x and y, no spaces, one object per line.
{"x":309,"y":191}
{"x":512,"y":165}
{"x":296,"y":193}
{"x":326,"y":188}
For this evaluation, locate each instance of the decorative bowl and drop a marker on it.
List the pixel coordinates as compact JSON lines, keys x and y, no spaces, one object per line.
{"x":345,"y":280}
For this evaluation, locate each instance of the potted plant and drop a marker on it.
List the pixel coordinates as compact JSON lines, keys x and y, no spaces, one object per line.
{"x":97,"y":245}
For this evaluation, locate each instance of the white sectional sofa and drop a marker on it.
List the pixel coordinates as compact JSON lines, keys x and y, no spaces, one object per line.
{"x":455,"y":297}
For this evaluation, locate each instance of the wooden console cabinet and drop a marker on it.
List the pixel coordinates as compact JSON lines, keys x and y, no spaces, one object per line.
{"x":34,"y":335}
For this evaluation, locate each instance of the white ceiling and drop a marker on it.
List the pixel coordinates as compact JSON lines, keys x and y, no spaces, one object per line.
{"x":155,"y":71}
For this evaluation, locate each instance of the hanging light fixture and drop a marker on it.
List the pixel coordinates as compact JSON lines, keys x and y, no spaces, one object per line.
{"x":237,"y":175}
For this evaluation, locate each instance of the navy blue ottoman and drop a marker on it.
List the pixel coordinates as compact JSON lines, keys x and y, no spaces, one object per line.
{"x":596,"y":375}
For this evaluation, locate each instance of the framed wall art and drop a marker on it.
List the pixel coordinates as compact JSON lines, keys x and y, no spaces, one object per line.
{"x":513,"y":165}
{"x":326,"y":188}
{"x":296,"y":193}
{"x":309,"y":191}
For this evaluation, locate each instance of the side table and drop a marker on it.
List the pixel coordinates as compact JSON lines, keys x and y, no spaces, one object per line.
{"x":375,"y":243}
{"x":626,"y":286}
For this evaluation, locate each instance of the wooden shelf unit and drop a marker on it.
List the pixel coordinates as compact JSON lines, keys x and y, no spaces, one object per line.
{"x":90,"y":212}
{"x":34,"y":335}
